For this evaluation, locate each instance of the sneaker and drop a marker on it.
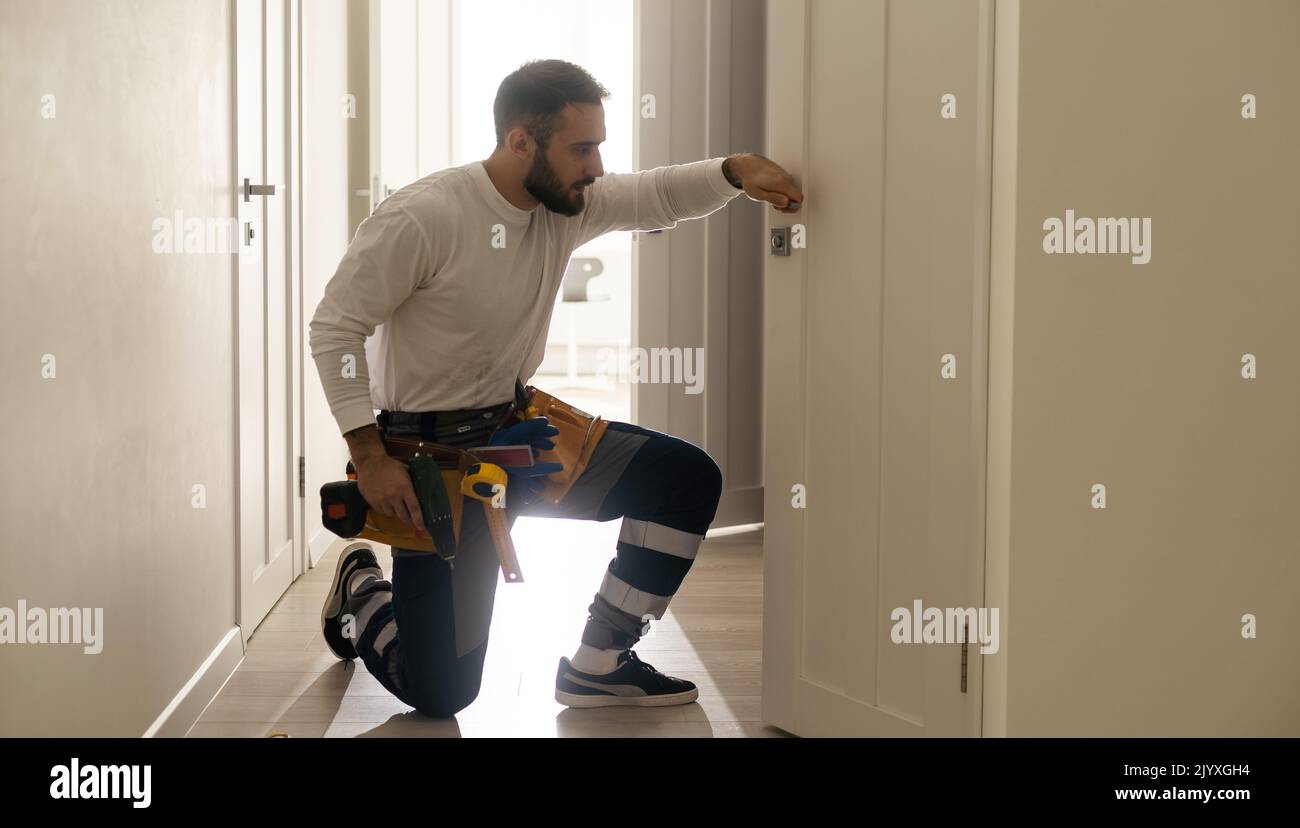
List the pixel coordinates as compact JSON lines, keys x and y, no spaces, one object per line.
{"x":633,"y":682}
{"x":354,"y":557}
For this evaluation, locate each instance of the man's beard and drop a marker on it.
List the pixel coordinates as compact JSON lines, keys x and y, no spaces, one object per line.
{"x":543,"y":185}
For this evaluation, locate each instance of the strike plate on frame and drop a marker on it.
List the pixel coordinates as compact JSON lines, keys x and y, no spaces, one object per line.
{"x":780,"y":245}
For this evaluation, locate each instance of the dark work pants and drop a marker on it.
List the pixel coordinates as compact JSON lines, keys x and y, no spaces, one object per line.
{"x":424,"y":635}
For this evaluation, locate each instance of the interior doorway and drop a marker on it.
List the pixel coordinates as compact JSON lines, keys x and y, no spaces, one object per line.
{"x":435,"y":74}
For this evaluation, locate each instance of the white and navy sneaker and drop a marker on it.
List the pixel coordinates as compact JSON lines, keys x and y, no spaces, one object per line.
{"x":633,"y":682}
{"x":354,"y":557}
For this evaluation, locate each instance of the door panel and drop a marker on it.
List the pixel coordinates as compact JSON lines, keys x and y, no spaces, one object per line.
{"x":893,"y":280}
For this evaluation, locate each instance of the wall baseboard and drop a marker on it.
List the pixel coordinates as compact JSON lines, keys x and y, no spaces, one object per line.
{"x":319,"y":544}
{"x":739,"y":506}
{"x":184,"y":710}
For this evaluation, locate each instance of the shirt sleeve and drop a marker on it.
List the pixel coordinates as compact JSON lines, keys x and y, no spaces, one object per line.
{"x":655,"y":199}
{"x":389,"y":258}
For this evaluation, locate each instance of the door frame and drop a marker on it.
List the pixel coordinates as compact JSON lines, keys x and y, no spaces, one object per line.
{"x":703,"y":62}
{"x":298,"y":316}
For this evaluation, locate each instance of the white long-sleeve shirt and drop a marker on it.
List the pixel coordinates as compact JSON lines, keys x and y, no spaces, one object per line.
{"x":454,"y":285}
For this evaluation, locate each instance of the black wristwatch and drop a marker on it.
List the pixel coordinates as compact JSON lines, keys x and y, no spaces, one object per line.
{"x":730,"y":176}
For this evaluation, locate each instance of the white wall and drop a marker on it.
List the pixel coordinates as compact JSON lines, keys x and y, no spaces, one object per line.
{"x":1127,"y":621}
{"x":100,"y":460}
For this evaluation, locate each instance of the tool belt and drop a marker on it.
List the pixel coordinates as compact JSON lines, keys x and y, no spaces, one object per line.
{"x":444,"y":475}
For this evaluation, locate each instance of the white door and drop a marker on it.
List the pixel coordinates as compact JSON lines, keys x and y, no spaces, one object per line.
{"x":268,"y":310}
{"x":875,"y":353}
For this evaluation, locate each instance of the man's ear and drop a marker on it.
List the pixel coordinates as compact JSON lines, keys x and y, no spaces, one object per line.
{"x":520,"y":143}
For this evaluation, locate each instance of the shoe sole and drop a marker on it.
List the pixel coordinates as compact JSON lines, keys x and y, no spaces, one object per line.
{"x":663,"y":700}
{"x":334,"y":604}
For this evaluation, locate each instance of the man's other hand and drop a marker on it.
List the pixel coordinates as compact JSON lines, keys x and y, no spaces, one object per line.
{"x":385,"y":483}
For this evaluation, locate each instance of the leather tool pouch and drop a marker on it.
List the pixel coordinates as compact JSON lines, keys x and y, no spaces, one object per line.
{"x":574,"y":445}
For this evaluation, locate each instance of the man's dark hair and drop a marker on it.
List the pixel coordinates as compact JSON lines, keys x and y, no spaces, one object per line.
{"x":533,"y":96}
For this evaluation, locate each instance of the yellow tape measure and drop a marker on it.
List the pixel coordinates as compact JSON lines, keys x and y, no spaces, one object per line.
{"x":481,"y":479}
{"x":479,"y":482}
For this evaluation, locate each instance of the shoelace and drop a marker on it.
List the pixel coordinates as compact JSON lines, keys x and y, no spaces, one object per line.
{"x":635,"y":660}
{"x":638,"y":664}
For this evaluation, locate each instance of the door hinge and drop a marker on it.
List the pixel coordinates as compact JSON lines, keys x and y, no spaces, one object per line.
{"x":302,"y":492}
{"x":965,"y":643}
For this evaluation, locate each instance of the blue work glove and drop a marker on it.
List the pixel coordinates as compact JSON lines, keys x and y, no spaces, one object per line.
{"x":529,"y":480}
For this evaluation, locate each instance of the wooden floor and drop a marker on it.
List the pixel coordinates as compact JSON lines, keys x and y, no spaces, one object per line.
{"x":712,"y":635}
